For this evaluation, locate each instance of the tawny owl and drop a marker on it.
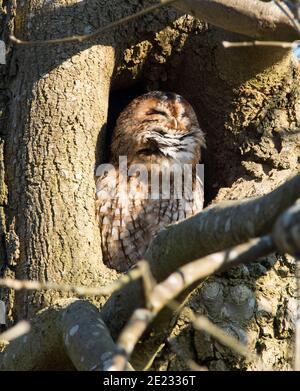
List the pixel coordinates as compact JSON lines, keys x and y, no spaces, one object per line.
{"x":151,"y":180}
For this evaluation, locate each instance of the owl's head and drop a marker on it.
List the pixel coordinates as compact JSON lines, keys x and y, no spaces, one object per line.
{"x":158,"y":125}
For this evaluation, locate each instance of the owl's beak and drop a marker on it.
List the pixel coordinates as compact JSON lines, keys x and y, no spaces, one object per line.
{"x":174,"y":123}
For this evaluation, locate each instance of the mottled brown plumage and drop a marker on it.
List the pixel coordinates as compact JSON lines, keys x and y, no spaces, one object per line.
{"x":157,"y":131}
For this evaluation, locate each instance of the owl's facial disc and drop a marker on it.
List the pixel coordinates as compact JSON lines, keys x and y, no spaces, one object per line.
{"x":159,"y":125}
{"x":170,"y":128}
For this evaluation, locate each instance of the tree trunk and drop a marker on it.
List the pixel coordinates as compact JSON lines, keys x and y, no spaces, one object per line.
{"x":55,"y":133}
{"x":58,"y":107}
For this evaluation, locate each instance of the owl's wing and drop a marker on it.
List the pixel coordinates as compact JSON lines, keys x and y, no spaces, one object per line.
{"x":106,"y":184}
{"x":127,"y":228}
{"x":198,"y":193}
{"x":115,"y":214}
{"x":105,"y":192}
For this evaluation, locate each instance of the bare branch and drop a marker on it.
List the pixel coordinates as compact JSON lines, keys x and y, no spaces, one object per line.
{"x":15,"y":332}
{"x":221,"y":226}
{"x":96,"y":33}
{"x":69,"y":334}
{"x":71,"y":324}
{"x":196,"y":271}
{"x":130,"y":336}
{"x":256,"y":19}
{"x":148,"y":281}
{"x":164,"y":293}
{"x":78,"y":290}
{"x":158,"y":296}
{"x":286,"y":233}
{"x":87,"y":340}
{"x":283,"y":45}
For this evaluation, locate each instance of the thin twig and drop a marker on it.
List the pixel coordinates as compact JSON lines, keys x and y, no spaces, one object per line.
{"x":16,"y":331}
{"x":148,"y":281}
{"x":18,"y":285}
{"x":284,"y":45}
{"x":201,"y":269}
{"x":203,"y":323}
{"x":130,"y":336}
{"x":196,"y":271}
{"x":164,"y":293}
{"x":96,"y":33}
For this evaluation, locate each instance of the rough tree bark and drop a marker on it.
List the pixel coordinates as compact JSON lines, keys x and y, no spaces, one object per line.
{"x":50,"y":158}
{"x":54,"y":103}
